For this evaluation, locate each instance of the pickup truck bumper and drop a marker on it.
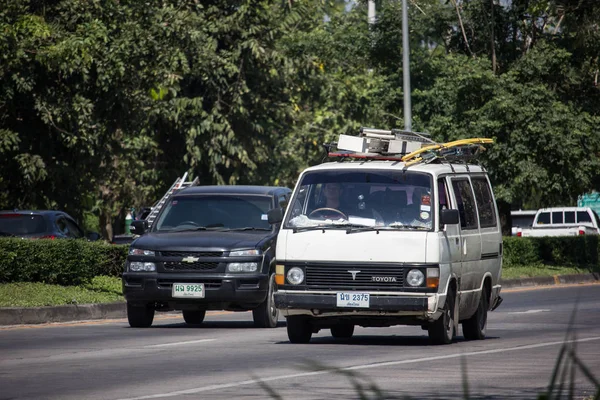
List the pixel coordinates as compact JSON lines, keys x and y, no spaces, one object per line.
{"x":220,"y":292}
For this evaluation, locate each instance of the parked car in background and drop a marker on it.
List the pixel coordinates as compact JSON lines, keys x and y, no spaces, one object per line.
{"x":209,"y":248}
{"x":42,"y":224}
{"x":563,"y":221}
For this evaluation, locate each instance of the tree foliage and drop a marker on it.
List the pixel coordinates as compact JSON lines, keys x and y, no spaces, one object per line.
{"x":104,"y":103}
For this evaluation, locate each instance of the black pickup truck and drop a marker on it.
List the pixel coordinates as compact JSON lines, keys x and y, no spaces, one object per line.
{"x":210,"y":248}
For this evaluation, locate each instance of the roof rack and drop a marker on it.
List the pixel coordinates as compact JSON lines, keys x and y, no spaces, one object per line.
{"x":408,"y":147}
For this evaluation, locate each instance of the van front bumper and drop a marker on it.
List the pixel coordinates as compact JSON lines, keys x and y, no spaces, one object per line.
{"x":327,"y":303}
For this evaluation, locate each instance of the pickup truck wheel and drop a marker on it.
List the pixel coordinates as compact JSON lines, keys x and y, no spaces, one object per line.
{"x":299,"y":329}
{"x":474,"y":328}
{"x":442,"y":331}
{"x":342,"y":331}
{"x":140,"y":316}
{"x":194,"y":317}
{"x":266,"y":315}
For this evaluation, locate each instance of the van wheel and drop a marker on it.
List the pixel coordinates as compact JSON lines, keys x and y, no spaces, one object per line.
{"x":475,"y":327}
{"x":443,"y":330}
{"x":140,"y":316}
{"x":342,"y":331}
{"x":266,"y":314}
{"x":194,"y":317}
{"x":299,"y":329}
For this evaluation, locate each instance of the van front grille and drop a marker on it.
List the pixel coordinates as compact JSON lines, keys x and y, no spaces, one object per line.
{"x":355,"y":277}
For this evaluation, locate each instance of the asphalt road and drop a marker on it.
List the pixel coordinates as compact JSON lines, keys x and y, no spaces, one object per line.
{"x":226,"y":357}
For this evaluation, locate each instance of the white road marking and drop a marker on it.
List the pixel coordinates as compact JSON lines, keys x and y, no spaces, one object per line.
{"x":528,"y":312}
{"x":354,"y":368}
{"x":178,"y":343}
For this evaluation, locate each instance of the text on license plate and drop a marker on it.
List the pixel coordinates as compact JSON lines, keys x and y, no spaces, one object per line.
{"x":188,"y":290}
{"x":353,"y":299}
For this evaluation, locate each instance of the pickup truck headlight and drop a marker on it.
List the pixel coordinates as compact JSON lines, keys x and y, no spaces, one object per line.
{"x":244,"y":253}
{"x":242,"y":267}
{"x":141,"y":252}
{"x":140,"y":266}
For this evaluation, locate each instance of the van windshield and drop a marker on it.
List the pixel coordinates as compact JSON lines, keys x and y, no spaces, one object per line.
{"x":374,"y":198}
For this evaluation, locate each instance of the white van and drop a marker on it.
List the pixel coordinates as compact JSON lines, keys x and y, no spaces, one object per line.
{"x":412,"y":239}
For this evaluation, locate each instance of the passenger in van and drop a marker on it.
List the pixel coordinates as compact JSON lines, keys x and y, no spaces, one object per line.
{"x":418,"y":213}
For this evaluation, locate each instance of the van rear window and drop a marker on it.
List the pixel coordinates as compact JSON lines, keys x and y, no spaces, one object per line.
{"x":22,"y":224}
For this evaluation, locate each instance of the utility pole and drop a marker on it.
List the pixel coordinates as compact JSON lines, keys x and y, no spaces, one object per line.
{"x":371,"y":12}
{"x":406,"y":68}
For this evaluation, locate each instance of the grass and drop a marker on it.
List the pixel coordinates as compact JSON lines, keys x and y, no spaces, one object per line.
{"x":530,"y":271}
{"x":102,"y":289}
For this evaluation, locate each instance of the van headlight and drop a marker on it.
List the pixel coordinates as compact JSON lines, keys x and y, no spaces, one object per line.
{"x":141,"y":266}
{"x":295,"y":276}
{"x":415,"y":278}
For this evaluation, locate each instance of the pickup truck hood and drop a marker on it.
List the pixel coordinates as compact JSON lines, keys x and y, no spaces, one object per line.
{"x":197,"y":240}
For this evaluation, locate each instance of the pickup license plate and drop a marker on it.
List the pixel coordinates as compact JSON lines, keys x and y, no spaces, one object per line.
{"x":184,"y":290}
{"x":353,"y":299}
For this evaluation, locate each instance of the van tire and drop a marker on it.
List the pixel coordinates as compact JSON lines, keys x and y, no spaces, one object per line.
{"x":342,"y":331}
{"x":475,"y":327}
{"x":266,"y":314}
{"x":443,"y":330}
{"x":194,"y":317}
{"x":299,"y":329}
{"x":140,"y":316}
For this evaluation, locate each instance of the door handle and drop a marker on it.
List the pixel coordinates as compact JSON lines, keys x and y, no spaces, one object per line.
{"x":457,"y":241}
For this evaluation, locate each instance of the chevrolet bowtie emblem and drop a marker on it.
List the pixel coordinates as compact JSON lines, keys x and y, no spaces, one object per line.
{"x":354,"y":274}
{"x":189,"y":259}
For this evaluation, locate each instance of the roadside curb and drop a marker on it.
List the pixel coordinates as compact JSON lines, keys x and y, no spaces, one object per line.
{"x":64,"y":313}
{"x":83,"y":312}
{"x":550,"y":280}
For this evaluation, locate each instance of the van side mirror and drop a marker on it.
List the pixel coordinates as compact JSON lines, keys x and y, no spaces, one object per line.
{"x":449,"y":217}
{"x":275,"y":216}
{"x":138,"y":227}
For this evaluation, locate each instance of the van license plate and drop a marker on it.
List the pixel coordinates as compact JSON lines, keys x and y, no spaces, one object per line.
{"x":185,"y":290}
{"x":353,"y":299}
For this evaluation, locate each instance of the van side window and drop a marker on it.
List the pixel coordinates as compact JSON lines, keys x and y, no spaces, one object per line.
{"x":569,"y":217}
{"x":485,"y":203}
{"x":557,"y":217}
{"x":444,"y":202}
{"x":465,"y":203}
{"x":543,"y":218}
{"x":583,"y":216}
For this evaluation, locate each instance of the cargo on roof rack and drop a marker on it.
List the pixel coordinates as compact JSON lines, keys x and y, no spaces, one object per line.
{"x":408,"y":147}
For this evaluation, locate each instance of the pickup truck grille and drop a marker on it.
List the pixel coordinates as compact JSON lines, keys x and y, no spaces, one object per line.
{"x":186,"y":266}
{"x":363,"y":277}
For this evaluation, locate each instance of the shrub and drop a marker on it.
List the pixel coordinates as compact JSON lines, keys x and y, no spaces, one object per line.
{"x":575,"y":251}
{"x":62,"y":262}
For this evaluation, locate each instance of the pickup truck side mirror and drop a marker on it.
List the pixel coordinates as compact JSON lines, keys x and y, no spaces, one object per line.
{"x":138,"y":227}
{"x":275,"y":216}
{"x":449,"y":217}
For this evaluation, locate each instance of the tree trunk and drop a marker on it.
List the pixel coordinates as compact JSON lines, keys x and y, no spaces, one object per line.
{"x":106,"y":225}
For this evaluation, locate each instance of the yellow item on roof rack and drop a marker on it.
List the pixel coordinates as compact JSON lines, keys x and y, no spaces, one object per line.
{"x":442,"y":146}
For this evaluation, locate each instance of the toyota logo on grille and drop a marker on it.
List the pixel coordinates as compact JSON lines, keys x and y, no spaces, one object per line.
{"x":354,"y":274}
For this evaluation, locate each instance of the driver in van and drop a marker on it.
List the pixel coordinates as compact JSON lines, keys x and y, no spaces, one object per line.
{"x":336,"y":206}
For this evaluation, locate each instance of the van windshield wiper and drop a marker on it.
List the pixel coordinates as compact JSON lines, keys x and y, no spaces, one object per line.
{"x":409,"y":227}
{"x":362,"y":228}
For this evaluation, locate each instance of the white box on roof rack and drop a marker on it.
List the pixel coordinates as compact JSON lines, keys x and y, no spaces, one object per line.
{"x":352,"y":143}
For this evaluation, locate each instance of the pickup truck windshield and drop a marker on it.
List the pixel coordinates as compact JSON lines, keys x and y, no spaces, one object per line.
{"x":377,"y":198}
{"x":221,"y":212}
